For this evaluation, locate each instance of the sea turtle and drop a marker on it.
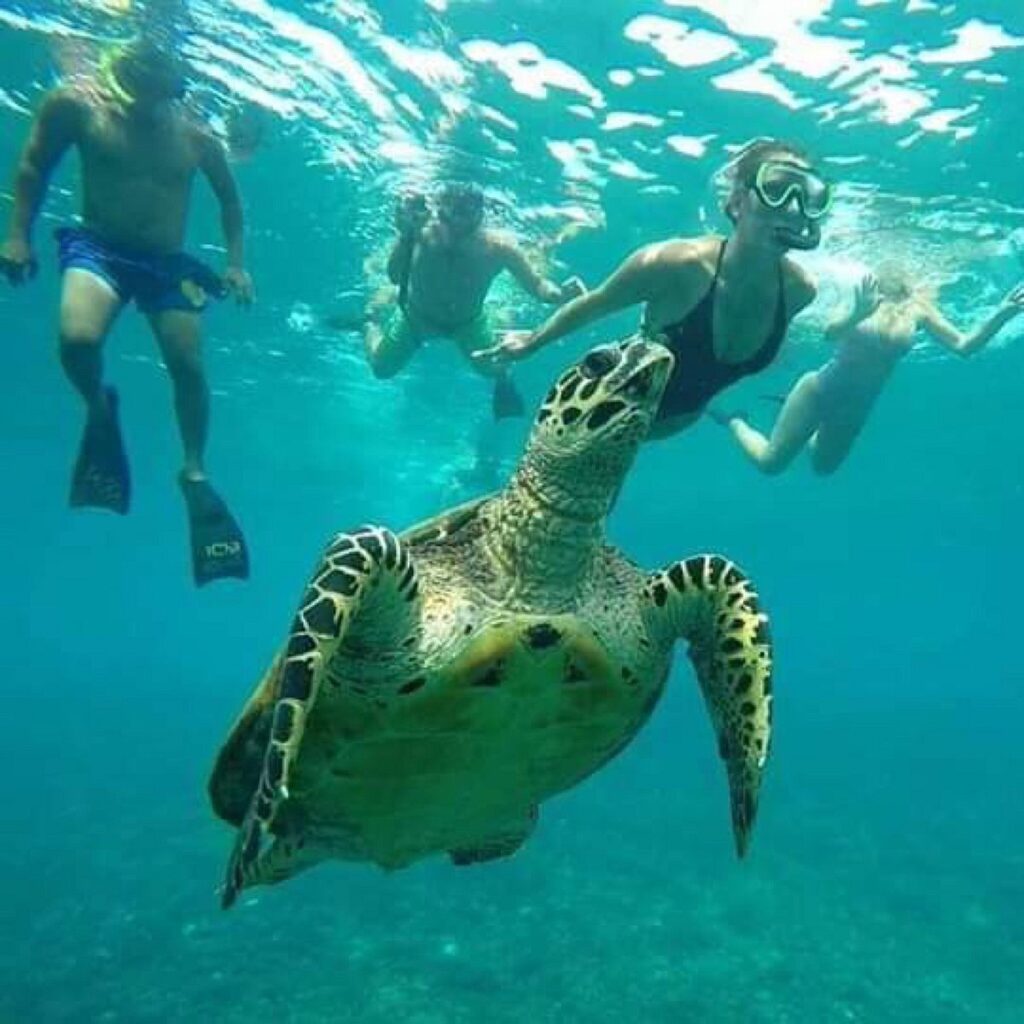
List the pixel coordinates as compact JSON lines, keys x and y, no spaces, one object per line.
{"x":438,"y":685}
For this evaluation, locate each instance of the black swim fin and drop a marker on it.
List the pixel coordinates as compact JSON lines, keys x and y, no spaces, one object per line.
{"x":102,"y":478}
{"x":218,"y":545}
{"x":506,"y":402}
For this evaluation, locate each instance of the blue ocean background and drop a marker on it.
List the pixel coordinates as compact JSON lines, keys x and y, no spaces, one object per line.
{"x":886,"y":878}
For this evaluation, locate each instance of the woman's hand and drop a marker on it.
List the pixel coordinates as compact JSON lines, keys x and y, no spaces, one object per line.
{"x":866,"y":297}
{"x":511,"y":346}
{"x":1014,"y":301}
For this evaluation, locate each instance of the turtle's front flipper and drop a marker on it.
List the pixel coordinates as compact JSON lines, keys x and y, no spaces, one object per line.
{"x":353,"y":565}
{"x":239,"y":765}
{"x":709,"y":602}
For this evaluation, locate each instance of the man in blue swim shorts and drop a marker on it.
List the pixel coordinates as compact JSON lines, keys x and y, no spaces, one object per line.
{"x":140,"y":152}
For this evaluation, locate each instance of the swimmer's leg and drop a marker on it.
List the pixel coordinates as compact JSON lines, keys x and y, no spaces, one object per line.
{"x":88,"y":307}
{"x":390,"y":346}
{"x":506,"y":401}
{"x":218,"y":544}
{"x":797,"y":421}
{"x":179,"y":335}
{"x":837,"y":434}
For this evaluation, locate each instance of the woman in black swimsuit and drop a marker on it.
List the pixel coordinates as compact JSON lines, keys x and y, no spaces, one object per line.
{"x":722,"y":305}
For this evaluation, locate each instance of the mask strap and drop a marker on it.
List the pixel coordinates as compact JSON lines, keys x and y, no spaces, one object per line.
{"x":108,"y":76}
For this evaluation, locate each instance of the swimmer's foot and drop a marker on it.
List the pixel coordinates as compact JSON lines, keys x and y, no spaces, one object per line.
{"x":102,"y":478}
{"x":723,"y":418}
{"x":218,"y":545}
{"x":506,"y":402}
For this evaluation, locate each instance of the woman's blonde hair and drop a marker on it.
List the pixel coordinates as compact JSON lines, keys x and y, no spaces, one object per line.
{"x":897,"y":285}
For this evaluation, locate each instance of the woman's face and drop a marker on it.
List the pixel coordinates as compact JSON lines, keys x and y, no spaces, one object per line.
{"x":781,"y":223}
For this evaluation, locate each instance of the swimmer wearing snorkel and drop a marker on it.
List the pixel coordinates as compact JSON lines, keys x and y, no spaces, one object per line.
{"x":722,"y":305}
{"x":139,"y":156}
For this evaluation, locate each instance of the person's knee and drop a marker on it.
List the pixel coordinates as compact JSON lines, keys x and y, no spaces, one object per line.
{"x":385,"y":361}
{"x":773,"y":462}
{"x":77,"y":334}
{"x":772,"y":465}
{"x":384,"y":368}
{"x":79,"y":354}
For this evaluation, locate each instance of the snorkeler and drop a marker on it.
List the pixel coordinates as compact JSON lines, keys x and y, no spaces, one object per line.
{"x":722,"y":306}
{"x":443,"y":264}
{"x":827,"y":408}
{"x":139,"y":155}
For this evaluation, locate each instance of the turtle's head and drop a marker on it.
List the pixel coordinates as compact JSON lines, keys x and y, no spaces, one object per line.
{"x":593,"y":421}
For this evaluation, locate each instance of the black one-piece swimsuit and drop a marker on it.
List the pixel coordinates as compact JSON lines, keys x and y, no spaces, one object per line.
{"x":698,"y":374}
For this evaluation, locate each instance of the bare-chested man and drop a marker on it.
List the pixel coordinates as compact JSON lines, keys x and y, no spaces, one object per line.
{"x":139,"y":155}
{"x":444,"y":264}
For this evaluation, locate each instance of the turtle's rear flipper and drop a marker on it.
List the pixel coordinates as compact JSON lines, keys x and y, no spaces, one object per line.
{"x":218,"y":545}
{"x":102,"y":478}
{"x":495,"y":849}
{"x":709,"y":602}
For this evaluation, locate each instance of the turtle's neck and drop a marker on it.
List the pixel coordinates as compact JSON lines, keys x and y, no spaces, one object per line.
{"x":544,"y":538}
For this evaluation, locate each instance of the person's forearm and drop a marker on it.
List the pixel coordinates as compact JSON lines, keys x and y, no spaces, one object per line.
{"x":986,"y":332}
{"x":29,"y":191}
{"x":233,"y":226}
{"x":399,"y":258}
{"x":842,"y":323}
{"x":548,"y":292}
{"x":570,"y":317}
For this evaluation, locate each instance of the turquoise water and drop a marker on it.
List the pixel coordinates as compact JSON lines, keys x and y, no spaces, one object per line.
{"x":886,"y":878}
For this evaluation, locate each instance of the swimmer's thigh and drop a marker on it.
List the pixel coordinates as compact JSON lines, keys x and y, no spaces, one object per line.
{"x":839,"y":429}
{"x":390,"y":347}
{"x":89,"y":304}
{"x":476,"y":336}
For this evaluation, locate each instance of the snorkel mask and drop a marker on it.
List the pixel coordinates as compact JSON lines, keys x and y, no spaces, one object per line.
{"x":778,"y":183}
{"x":781,"y":178}
{"x":461,"y":207}
{"x":140,"y":75}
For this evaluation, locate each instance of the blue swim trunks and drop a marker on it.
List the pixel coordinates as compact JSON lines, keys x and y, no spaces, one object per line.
{"x":155,"y":281}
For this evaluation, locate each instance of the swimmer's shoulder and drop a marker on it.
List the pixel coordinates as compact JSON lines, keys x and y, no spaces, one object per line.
{"x":680,"y":263}
{"x":64,"y":110}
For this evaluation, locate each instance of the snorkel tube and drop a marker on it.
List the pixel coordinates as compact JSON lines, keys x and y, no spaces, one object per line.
{"x":804,"y":237}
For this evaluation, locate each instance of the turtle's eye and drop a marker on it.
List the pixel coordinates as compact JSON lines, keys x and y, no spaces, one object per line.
{"x":599,"y":362}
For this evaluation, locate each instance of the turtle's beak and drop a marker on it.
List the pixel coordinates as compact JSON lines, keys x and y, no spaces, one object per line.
{"x":646,"y":367}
